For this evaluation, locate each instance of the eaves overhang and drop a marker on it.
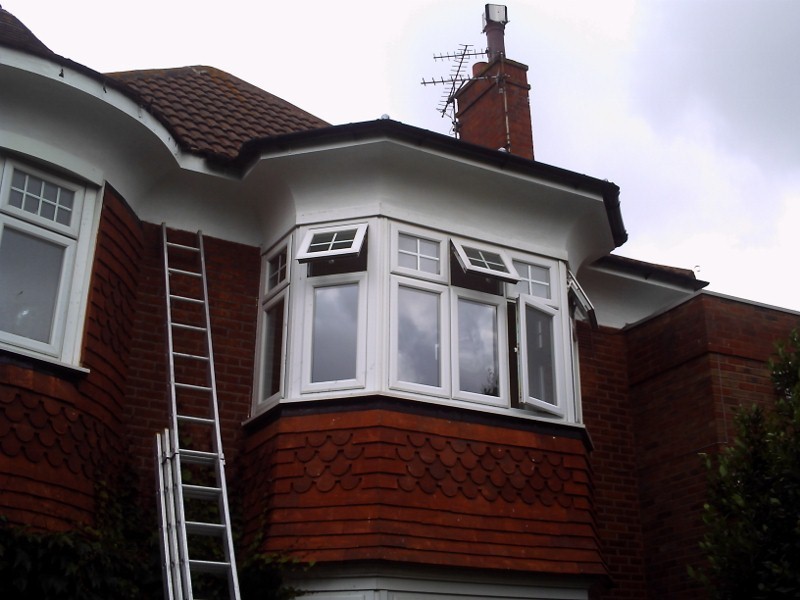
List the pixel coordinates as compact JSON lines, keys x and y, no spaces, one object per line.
{"x":262,"y":148}
{"x":106,"y":81}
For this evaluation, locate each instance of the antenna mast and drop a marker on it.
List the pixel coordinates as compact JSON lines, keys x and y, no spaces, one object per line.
{"x":454,"y":81}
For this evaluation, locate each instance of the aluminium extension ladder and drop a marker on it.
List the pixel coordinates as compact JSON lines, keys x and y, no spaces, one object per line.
{"x":197,"y":544}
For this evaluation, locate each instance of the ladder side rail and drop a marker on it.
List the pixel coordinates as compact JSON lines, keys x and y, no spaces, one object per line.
{"x":173,"y":401}
{"x":164,"y":525}
{"x":230,"y":557}
{"x":182,"y":545}
{"x":212,"y":378}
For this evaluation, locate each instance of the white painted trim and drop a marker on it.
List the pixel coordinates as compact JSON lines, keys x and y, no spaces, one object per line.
{"x":460,"y":246}
{"x":433,"y":583}
{"x":501,"y":320}
{"x":79,"y":240}
{"x":425,"y":234}
{"x":556,"y":353}
{"x":312,"y":284}
{"x":304,"y":254}
{"x":443,"y":389}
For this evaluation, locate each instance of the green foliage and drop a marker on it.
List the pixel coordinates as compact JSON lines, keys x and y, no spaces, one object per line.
{"x":117,"y":558}
{"x":752,"y":517}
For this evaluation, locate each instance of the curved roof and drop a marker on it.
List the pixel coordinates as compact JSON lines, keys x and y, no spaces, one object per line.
{"x":209,"y":112}
{"x":13,"y":33}
{"x":213,"y":113}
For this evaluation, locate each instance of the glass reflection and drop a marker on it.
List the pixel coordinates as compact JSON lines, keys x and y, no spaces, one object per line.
{"x":539,"y":340}
{"x":271,"y":381}
{"x":418,"y":335}
{"x":334,"y":341}
{"x":28,"y":288}
{"x":478,"y":364}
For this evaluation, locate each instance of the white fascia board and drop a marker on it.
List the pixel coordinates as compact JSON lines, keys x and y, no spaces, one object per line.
{"x":64,"y":75}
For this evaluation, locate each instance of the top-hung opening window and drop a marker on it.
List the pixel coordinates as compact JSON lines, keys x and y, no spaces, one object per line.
{"x":332,"y":242}
{"x":485,"y":261}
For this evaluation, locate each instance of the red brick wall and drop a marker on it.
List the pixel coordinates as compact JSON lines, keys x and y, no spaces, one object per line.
{"x":484,"y":114}
{"x":689,"y":369}
{"x":377,"y":483}
{"x":62,"y":431}
{"x":233,"y":272}
{"x":607,"y":414}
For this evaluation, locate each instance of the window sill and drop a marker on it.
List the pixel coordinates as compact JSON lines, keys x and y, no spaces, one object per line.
{"x":33,"y":360}
{"x":449,"y":409}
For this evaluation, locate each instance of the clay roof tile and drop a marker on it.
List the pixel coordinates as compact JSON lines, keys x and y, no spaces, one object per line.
{"x":213,"y":111}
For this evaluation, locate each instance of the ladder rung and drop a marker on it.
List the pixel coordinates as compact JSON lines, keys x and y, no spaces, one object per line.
{"x":197,"y":420}
{"x":192,"y":356}
{"x":190,"y":386}
{"x":183,"y":247}
{"x":173,"y":270}
{"x":198,"y":457}
{"x":187,"y":326}
{"x":209,"y":566}
{"x":201,"y":492}
{"x":198,"y":528}
{"x":186,"y":299}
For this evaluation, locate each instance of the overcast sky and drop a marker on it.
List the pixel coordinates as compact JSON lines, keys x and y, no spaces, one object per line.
{"x":692,"y":107}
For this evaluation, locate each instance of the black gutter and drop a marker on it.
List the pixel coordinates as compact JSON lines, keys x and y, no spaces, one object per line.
{"x":254,"y":149}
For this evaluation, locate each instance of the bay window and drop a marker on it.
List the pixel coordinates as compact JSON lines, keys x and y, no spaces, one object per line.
{"x":426,"y":315}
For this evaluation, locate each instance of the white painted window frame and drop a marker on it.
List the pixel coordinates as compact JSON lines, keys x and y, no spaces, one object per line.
{"x":501,"y":321}
{"x":460,"y":245}
{"x":557,"y":352}
{"x":444,"y":337}
{"x":305,"y":255}
{"x":69,"y":314}
{"x":270,"y":297}
{"x":312,"y":284}
{"x":397,"y":229}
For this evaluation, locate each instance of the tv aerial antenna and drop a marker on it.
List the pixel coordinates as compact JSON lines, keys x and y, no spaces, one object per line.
{"x":455,"y":80}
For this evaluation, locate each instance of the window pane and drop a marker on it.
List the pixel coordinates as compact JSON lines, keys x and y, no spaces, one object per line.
{"x":277,"y":270}
{"x":418,"y":253}
{"x":483,"y":259}
{"x":335,"y":240}
{"x":418,"y":336}
{"x":334,"y":337}
{"x":42,"y":198}
{"x":534,"y":280}
{"x":273,"y":345}
{"x":478,"y":367}
{"x":539,"y":346}
{"x":30,"y":275}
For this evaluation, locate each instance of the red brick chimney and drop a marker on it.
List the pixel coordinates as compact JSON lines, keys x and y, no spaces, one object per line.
{"x":493,"y":109}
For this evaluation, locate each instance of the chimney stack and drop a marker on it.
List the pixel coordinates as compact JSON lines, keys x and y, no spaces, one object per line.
{"x":493,"y":109}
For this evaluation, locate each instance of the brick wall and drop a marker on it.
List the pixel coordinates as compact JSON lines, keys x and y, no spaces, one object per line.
{"x":689,"y":369}
{"x":62,"y":431}
{"x":385,"y":480}
{"x":233,"y":272}
{"x":607,"y":414}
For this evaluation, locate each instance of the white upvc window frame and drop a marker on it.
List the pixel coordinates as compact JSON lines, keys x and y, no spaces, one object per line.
{"x":558,"y":406}
{"x":305,"y":252}
{"x":421,"y":234}
{"x":58,"y":323}
{"x":501,"y":320}
{"x":462,"y":246}
{"x":444,"y":345}
{"x":271,"y":295}
{"x":311,"y":285}
{"x":64,"y":345}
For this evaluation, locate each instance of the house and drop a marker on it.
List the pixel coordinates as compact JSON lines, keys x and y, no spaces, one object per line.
{"x":435,"y":377}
